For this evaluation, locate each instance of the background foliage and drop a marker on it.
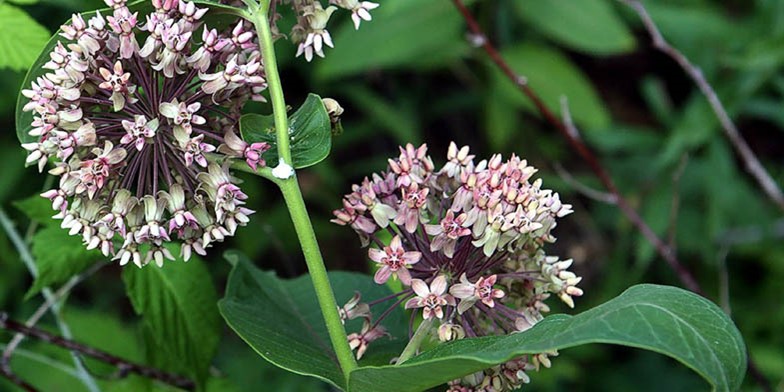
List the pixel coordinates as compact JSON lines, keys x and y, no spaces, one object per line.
{"x":411,"y":76}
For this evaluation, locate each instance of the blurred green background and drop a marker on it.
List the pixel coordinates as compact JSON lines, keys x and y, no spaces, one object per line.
{"x":410,"y":76}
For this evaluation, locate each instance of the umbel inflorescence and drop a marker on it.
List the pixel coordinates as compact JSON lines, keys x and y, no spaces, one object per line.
{"x":467,"y":245}
{"x":127,"y":112}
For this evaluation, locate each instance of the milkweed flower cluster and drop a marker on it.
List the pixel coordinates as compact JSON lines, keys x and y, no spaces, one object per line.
{"x":467,"y":245}
{"x":311,"y":34}
{"x":129,"y":108}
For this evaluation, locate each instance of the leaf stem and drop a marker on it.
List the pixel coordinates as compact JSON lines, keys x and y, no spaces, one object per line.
{"x":293,"y":196}
{"x":416,"y":341}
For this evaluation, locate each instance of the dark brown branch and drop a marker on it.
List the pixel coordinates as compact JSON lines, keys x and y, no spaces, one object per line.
{"x":750,"y":161}
{"x":585,"y":153}
{"x":124,"y":367}
{"x":5,"y":371}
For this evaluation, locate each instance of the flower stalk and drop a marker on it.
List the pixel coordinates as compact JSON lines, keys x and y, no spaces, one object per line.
{"x":293,"y":196}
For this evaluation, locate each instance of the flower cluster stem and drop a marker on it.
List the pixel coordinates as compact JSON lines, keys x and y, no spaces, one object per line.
{"x":416,"y":341}
{"x":293,"y":197}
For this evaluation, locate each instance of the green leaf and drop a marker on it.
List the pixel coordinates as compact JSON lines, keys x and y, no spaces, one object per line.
{"x":21,"y":38}
{"x":310,"y":132}
{"x":552,"y":76}
{"x":663,"y":319}
{"x":37,"y":208}
{"x":180,"y":318}
{"x":590,"y":26}
{"x":282,"y":322}
{"x":58,"y":256}
{"x":426,"y":33}
{"x":220,"y":16}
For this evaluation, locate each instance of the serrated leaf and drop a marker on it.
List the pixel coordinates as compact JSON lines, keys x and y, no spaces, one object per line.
{"x":426,"y":33}
{"x":21,"y":38}
{"x":179,"y":315}
{"x":281,"y":319}
{"x":310,"y":133}
{"x":220,"y":16}
{"x":58,"y":256}
{"x":590,"y":26}
{"x":667,"y":320}
{"x":552,"y":76}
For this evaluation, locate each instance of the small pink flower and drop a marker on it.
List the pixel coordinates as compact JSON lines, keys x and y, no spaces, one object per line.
{"x":447,"y":233}
{"x":482,"y":290}
{"x":432,"y":298}
{"x":394,"y":261}
{"x":360,"y":341}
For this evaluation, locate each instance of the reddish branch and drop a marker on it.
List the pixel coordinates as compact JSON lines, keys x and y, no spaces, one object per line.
{"x":124,"y":367}
{"x":573,"y":138}
{"x":750,"y":161}
{"x":571,"y":134}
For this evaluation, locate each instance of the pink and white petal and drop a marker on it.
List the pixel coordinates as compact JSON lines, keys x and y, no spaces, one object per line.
{"x":382,"y":275}
{"x":420,"y":287}
{"x":438,"y":285}
{"x":413,"y":303}
{"x":405,"y":276}
{"x":376,"y":254}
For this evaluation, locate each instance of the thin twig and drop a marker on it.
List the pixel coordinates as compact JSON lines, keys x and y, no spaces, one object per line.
{"x":29,"y":261}
{"x":8,"y":352}
{"x":676,"y":201}
{"x":585,"y":153}
{"x":585,"y":190}
{"x":750,"y":161}
{"x":125,"y":367}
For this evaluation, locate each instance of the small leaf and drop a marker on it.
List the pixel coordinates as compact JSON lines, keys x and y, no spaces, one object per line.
{"x":663,"y":319}
{"x":282,"y":322}
{"x":551,"y":75}
{"x":180,"y":317}
{"x":590,"y":26}
{"x":310,"y":133}
{"x":21,"y":38}
{"x":58,"y":256}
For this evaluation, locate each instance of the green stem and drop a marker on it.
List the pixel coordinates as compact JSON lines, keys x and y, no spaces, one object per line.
{"x":416,"y":341}
{"x":261,"y":21}
{"x":293,"y":197}
{"x":318,"y":273}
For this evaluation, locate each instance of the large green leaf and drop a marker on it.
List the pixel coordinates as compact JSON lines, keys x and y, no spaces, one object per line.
{"x":402,"y":34}
{"x":552,"y":76}
{"x":58,"y":256}
{"x":590,"y":26}
{"x":310,"y":133}
{"x":663,"y":319}
{"x":220,"y":16}
{"x":281,"y":320}
{"x":21,"y":37}
{"x":180,"y":317}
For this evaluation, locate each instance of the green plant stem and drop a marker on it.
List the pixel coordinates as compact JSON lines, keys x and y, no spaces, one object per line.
{"x":49,"y":296}
{"x":318,"y":273}
{"x":261,"y":21}
{"x":416,"y":341}
{"x":293,"y":197}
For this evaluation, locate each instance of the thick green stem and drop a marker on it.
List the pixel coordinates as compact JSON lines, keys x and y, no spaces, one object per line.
{"x":416,"y":341}
{"x":293,"y":196}
{"x":261,"y":21}
{"x":318,"y":273}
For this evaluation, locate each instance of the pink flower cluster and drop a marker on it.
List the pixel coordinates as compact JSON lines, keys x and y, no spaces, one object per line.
{"x":128,"y":112}
{"x":467,"y":243}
